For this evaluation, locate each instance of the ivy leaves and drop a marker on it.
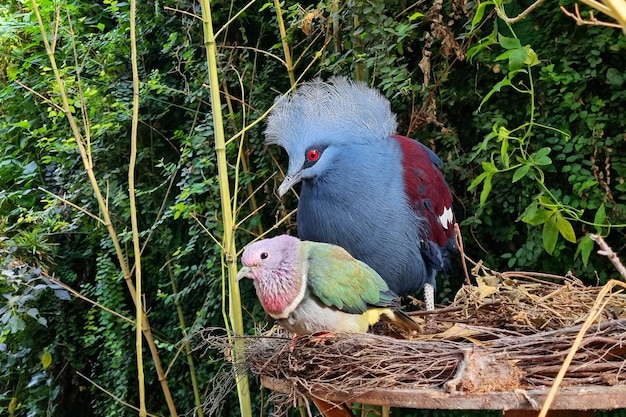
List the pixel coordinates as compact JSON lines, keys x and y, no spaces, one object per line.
{"x":520,"y":154}
{"x":545,"y":212}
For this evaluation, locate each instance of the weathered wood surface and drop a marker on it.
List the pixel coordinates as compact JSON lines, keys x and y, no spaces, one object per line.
{"x":568,"y":398}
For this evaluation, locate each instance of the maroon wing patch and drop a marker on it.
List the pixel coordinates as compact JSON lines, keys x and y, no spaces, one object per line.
{"x":427,"y":190}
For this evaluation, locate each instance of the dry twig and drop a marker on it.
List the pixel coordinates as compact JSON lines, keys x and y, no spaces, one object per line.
{"x":592,"y":20}
{"x":606,"y":250}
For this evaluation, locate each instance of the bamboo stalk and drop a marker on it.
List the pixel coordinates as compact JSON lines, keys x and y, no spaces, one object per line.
{"x":335,"y":24}
{"x":186,"y":347}
{"x":102,"y":204}
{"x":283,"y":38}
{"x":359,"y":67}
{"x":229,"y":249}
{"x":133,"y":211}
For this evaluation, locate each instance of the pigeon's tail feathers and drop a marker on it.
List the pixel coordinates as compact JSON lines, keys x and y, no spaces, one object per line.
{"x":402,"y":320}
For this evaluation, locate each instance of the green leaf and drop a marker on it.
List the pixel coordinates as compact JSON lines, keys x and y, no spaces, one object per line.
{"x":486,"y":189}
{"x":531,"y":57}
{"x":535,"y":215}
{"x":480,"y":12}
{"x":542,"y":152}
{"x":600,"y":217}
{"x":506,"y":81}
{"x":520,"y":172}
{"x":476,"y":181}
{"x":614,"y":77}
{"x":482,"y":44}
{"x":504,"y":153}
{"x":483,"y":146}
{"x":541,"y":157}
{"x":517,"y":58}
{"x":416,"y":16}
{"x":529,"y":213}
{"x":509,"y":43}
{"x":489,"y":167}
{"x":12,"y":406}
{"x":545,"y":200}
{"x":496,"y":88}
{"x":550,"y":234}
{"x":46,"y":360}
{"x":23,"y":124}
{"x":30,"y":168}
{"x":585,"y":246}
{"x":565,"y":228}
{"x":504,"y":55}
{"x":543,"y":161}
{"x":503,"y":133}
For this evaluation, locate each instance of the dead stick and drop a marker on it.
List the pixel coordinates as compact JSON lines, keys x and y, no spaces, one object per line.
{"x":606,"y":250}
{"x":459,"y":244}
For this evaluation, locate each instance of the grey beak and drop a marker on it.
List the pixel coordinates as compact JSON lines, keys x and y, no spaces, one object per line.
{"x":243,"y":273}
{"x":288,"y":182}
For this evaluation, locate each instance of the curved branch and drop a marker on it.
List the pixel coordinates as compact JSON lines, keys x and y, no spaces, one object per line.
{"x":522,"y":15}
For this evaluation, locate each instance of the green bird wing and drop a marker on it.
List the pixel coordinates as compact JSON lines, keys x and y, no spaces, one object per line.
{"x":339,"y":280}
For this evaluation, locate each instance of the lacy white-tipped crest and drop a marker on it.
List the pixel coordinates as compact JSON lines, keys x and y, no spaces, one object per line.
{"x":336,"y":111}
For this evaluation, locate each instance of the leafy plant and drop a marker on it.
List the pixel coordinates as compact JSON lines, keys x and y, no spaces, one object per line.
{"x":519,"y":151}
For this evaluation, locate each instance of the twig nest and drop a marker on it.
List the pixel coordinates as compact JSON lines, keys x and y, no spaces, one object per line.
{"x":511,"y":332}
{"x":480,"y":371}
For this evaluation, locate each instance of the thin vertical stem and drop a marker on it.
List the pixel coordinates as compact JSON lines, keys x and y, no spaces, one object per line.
{"x":335,"y":24}
{"x":186,"y":346}
{"x":283,"y":37}
{"x":359,"y":67}
{"x":133,"y":211}
{"x":228,"y":244}
{"x":85,"y":154}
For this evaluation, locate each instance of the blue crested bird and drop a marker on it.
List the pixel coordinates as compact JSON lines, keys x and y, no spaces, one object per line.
{"x":312,"y":287}
{"x":378,"y":194}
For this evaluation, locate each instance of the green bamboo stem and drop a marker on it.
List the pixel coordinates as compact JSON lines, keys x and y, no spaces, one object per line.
{"x":102,"y":204}
{"x":133,"y":212}
{"x":336,"y":28}
{"x":285,"y":42}
{"x":228,"y":246}
{"x":186,"y":346}
{"x":359,"y":70}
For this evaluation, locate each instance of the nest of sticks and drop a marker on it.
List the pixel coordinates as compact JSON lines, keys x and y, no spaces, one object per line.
{"x":510,"y":331}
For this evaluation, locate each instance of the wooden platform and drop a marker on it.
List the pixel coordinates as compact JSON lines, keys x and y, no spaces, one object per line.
{"x":568,"y":398}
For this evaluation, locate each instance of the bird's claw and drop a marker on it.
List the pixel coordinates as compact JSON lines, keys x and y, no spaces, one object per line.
{"x":315,"y":338}
{"x":321,"y":337}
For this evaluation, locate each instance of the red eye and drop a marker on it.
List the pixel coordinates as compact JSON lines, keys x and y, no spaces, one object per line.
{"x":313,"y":155}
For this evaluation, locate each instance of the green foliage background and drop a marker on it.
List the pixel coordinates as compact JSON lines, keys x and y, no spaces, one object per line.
{"x":529,"y":119}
